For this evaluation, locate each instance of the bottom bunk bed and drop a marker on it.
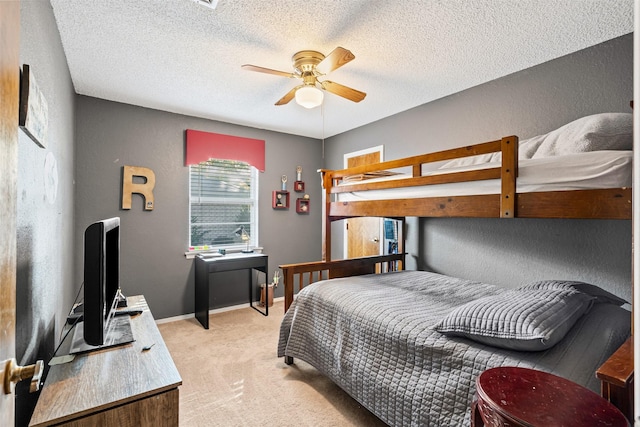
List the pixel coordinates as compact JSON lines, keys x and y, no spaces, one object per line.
{"x":408,"y":345}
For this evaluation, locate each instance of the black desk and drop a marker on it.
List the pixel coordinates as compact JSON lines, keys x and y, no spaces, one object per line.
{"x":205,"y":266}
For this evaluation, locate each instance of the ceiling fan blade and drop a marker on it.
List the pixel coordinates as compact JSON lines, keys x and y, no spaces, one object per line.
{"x":289,"y":96}
{"x":343,"y":91}
{"x":268,"y":71}
{"x":336,"y":59}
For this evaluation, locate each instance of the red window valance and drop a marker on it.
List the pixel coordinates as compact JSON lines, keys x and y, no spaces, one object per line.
{"x":202,"y":146}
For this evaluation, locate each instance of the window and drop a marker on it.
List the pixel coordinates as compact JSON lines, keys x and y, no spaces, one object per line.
{"x":223,"y":201}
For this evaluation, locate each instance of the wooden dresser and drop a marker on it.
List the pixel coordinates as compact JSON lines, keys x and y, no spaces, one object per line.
{"x":120,"y":386}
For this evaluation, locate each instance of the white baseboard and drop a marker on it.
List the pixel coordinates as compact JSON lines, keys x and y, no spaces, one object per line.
{"x":212,"y":311}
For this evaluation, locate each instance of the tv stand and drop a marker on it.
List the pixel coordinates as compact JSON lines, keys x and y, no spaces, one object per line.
{"x":121,"y":299}
{"x":117,"y":386}
{"x":118,"y":333}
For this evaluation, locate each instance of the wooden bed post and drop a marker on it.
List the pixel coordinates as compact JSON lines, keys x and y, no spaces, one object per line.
{"x":326,"y":178}
{"x":288,"y":286}
{"x":402,"y":243}
{"x":508,"y":175}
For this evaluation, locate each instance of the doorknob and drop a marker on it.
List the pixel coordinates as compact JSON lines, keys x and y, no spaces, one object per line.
{"x":375,"y":240}
{"x":14,"y":373}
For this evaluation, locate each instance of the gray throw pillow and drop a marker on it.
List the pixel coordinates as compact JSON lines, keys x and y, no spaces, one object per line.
{"x":517,"y":319}
{"x":600,"y":295}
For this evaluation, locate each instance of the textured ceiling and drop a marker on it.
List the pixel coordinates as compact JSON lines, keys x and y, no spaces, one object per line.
{"x":182,"y":57}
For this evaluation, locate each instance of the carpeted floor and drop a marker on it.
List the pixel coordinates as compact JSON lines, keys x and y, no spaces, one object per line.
{"x":232,"y":377}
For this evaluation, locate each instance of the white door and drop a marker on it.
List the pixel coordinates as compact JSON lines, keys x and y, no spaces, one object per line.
{"x":9,"y":87}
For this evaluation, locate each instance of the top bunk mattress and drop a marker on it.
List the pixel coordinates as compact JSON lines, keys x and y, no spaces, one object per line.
{"x":579,"y":171}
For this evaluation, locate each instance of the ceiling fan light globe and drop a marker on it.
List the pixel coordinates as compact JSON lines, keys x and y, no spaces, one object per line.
{"x":309,"y":97}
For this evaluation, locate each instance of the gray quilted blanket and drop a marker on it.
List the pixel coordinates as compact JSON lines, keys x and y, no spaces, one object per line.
{"x":373,"y":336}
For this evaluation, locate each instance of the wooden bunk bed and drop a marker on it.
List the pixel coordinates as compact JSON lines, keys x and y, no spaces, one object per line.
{"x":505,"y":202}
{"x":604,"y":203}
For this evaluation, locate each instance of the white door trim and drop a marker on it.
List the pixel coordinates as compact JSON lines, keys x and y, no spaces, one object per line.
{"x":346,"y":157}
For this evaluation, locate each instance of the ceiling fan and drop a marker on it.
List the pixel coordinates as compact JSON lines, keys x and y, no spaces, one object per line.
{"x":308,"y":65}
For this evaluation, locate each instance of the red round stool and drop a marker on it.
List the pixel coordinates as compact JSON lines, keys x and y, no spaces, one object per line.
{"x":510,"y":396}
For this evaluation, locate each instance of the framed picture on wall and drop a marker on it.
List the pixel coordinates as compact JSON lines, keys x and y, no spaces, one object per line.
{"x":33,"y":117}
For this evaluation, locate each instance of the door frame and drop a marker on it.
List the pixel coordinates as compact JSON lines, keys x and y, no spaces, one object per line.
{"x":346,"y":157}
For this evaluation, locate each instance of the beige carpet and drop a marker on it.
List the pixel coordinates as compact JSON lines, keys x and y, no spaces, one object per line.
{"x":232,"y":377}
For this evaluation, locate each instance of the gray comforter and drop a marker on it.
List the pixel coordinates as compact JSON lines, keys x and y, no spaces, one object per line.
{"x":373,"y":335}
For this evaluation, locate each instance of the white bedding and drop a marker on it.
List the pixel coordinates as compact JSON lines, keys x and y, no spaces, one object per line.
{"x":589,"y":170}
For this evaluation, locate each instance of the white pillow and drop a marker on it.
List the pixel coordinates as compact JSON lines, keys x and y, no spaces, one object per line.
{"x":606,"y":131}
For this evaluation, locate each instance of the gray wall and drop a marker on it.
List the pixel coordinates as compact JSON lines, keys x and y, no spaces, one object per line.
{"x":45,"y":286}
{"x":91,"y":153}
{"x":527,"y":103}
{"x":111,"y":135}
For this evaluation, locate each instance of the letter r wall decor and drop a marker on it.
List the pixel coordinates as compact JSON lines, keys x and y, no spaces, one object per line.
{"x":144,"y":189}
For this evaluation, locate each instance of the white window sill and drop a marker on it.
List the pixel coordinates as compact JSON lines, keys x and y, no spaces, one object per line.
{"x":192,"y":254}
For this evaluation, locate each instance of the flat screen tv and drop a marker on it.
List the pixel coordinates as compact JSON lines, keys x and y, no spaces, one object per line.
{"x":100,"y":328}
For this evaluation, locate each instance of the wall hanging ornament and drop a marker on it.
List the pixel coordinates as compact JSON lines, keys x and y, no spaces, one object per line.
{"x":298,"y":185}
{"x":144,"y":189}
